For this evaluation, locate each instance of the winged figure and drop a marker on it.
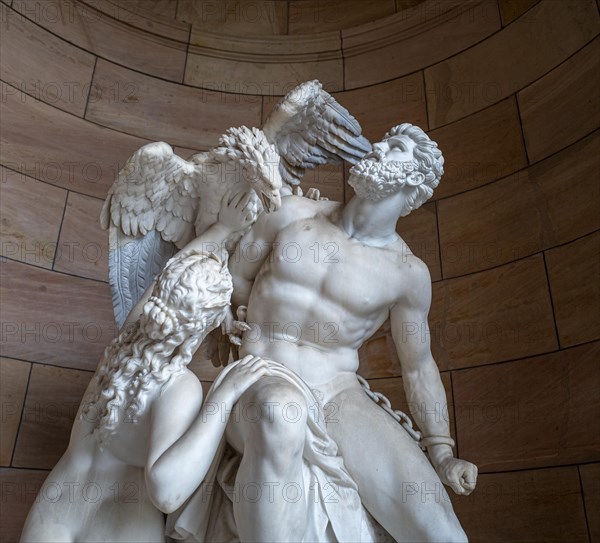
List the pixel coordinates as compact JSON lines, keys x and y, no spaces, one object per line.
{"x":159,"y":201}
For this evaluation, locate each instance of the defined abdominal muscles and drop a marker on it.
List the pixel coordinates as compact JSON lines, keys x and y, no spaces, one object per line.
{"x":312,"y":363}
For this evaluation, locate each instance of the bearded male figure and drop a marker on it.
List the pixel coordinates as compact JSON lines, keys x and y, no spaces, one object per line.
{"x":319,"y":279}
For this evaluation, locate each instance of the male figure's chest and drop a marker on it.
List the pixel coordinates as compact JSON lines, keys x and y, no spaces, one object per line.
{"x":320,"y":256}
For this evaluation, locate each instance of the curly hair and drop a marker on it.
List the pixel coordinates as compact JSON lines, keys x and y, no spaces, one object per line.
{"x":430,"y":162}
{"x":189,"y":300}
{"x":376,"y":180}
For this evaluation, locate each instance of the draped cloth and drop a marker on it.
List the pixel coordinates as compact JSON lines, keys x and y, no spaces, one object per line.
{"x":335,"y":512}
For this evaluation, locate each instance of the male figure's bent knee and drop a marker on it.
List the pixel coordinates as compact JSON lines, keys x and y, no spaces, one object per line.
{"x":272,"y":415}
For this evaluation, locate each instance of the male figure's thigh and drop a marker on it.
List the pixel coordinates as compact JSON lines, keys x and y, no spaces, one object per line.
{"x":396,"y":481}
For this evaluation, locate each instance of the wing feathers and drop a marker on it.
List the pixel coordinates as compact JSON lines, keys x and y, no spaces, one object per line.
{"x":134,"y":262}
{"x":309,"y":127}
{"x":156,"y":189}
{"x":151,"y":206}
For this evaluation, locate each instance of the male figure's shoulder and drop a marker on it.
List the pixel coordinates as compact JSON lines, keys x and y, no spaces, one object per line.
{"x":412,"y":277}
{"x":296,"y":208}
{"x":301,"y":207}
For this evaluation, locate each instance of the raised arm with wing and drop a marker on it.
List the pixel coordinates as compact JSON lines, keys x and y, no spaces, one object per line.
{"x":159,"y":201}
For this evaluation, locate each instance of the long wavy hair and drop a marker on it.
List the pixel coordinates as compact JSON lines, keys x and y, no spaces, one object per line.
{"x":189,"y":300}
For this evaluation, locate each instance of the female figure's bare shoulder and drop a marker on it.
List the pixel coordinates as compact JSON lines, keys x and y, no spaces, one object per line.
{"x":185,"y":388}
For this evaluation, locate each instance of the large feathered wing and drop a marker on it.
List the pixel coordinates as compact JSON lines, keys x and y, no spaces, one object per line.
{"x":309,"y":128}
{"x":150,"y":211}
{"x":155,"y":190}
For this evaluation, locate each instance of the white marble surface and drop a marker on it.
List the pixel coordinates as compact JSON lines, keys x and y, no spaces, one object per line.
{"x":287,"y":446}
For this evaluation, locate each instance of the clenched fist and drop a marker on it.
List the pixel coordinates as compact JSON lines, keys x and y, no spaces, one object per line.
{"x":458,"y":474}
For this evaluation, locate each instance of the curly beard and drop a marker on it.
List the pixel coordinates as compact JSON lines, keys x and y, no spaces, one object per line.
{"x":374,"y":179}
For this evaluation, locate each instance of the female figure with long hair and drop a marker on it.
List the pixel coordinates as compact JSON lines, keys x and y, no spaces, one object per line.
{"x":141,"y":442}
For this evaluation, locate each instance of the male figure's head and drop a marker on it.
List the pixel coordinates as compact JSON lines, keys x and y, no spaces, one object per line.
{"x":406,"y":161}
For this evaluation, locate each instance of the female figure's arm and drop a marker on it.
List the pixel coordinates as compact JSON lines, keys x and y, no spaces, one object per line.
{"x":184,"y":437}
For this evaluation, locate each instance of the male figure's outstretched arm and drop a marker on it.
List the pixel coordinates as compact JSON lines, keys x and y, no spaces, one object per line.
{"x":425,"y":392}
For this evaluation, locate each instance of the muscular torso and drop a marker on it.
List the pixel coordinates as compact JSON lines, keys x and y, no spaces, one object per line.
{"x":320,"y":295}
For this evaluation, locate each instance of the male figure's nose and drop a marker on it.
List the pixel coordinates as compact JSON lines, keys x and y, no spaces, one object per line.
{"x":380,"y":150}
